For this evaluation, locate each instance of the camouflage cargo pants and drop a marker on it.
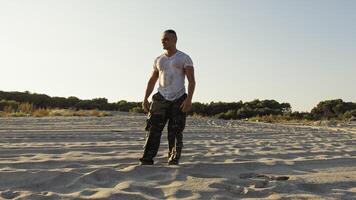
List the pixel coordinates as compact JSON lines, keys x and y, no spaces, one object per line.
{"x":161,"y":111}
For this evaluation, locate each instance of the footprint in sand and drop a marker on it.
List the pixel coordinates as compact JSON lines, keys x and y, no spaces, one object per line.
{"x":261,"y":180}
{"x":8,"y":194}
{"x":260,"y":183}
{"x":235,"y":189}
{"x":266,"y":177}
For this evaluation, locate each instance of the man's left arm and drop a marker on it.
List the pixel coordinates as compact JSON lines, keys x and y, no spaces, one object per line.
{"x":187,"y":104}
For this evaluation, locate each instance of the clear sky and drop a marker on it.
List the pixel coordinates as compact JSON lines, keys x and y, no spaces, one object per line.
{"x":300,"y":52}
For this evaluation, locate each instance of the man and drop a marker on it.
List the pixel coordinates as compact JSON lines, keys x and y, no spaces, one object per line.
{"x":171,"y":102}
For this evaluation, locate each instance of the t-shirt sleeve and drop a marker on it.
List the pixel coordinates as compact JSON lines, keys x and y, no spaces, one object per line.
{"x":188,"y":62}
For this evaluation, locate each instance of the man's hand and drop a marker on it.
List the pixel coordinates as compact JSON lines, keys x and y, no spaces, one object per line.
{"x":145,"y":105}
{"x":186,"y":105}
{"x":150,"y":86}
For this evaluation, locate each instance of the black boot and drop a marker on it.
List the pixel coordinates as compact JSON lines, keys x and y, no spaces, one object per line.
{"x":145,"y":162}
{"x":174,"y":159}
{"x":170,"y":151}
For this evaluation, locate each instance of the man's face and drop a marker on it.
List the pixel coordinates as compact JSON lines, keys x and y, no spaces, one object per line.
{"x":168,"y":40}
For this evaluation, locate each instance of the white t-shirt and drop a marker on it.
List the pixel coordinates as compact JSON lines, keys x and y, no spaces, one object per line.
{"x":171,"y":74}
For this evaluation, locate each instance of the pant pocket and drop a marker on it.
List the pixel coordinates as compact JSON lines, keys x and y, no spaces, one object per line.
{"x":155,"y":123}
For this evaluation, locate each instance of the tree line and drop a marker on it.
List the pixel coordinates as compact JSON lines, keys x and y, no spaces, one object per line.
{"x":329,"y":109}
{"x":14,"y":99}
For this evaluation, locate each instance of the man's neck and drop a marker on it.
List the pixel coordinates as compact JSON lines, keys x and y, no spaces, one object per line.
{"x":171,"y":52}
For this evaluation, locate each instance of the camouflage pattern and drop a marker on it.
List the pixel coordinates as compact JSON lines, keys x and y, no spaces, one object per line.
{"x":161,"y":111}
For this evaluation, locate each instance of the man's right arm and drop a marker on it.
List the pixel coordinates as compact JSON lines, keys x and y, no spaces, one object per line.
{"x":151,"y":83}
{"x":150,"y":86}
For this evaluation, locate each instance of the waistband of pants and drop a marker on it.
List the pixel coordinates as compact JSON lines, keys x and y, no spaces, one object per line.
{"x":175,"y":100}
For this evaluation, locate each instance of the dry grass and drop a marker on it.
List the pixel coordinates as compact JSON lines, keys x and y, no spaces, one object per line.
{"x":280,"y":119}
{"x":198,"y":116}
{"x":27,"y":109}
{"x":8,"y":109}
{"x":41,"y":112}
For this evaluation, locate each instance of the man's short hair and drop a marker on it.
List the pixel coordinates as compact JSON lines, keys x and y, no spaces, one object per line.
{"x":171,"y":31}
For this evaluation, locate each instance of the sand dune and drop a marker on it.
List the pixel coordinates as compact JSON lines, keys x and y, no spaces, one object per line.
{"x":97,"y":158}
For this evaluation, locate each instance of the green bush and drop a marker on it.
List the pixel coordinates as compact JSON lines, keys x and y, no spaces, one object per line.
{"x":8,"y":105}
{"x":137,"y":109}
{"x":349,"y":114}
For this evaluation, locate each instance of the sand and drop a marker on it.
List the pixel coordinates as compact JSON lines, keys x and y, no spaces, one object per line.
{"x":97,"y":158}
